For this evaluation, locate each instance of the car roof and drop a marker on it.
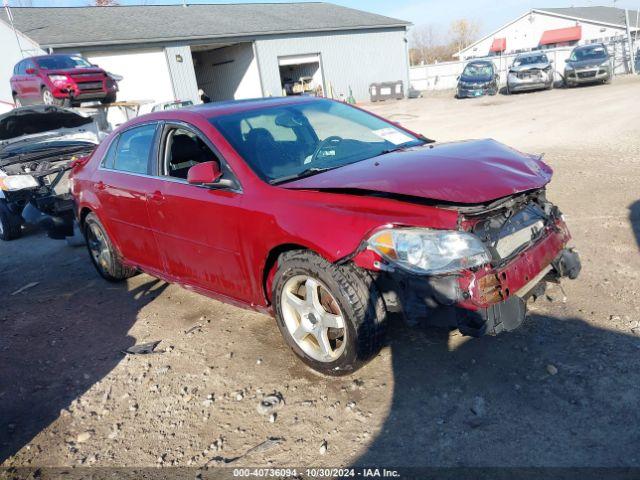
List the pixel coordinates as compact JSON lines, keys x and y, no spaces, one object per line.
{"x":217,"y":109}
{"x":590,"y":46}
{"x":535,"y":53}
{"x":480,"y":62}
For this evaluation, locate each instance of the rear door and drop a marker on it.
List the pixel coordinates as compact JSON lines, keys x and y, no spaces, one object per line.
{"x":124,"y":182}
{"x":197,"y":228}
{"x":31,"y":82}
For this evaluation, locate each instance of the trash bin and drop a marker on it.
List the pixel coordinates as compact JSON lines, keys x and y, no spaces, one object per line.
{"x":385,"y":90}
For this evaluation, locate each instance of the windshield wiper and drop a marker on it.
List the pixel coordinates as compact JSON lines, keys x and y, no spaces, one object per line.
{"x":308,"y":172}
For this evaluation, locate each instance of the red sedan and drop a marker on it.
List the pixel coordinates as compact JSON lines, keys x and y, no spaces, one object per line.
{"x":327,"y":217}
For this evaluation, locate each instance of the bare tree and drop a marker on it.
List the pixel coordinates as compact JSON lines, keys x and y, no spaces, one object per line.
{"x":463,"y":32}
{"x":422,"y":42}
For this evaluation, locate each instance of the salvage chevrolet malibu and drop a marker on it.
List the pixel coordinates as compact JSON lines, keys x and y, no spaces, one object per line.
{"x":325,"y":216}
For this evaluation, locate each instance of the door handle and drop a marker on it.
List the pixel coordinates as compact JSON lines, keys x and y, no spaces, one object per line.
{"x":100,"y":185}
{"x":156,"y":196}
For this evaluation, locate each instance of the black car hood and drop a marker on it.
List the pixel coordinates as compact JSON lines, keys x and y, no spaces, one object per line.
{"x":25,"y":121}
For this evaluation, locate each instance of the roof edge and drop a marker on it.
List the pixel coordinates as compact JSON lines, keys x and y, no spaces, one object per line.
{"x":248,"y":35}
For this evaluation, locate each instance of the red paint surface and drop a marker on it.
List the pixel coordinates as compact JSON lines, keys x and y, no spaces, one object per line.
{"x":28,"y":87}
{"x":460,"y":172}
{"x":217,"y":242}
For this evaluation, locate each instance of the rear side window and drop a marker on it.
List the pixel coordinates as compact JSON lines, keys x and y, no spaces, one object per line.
{"x":134,"y":149}
{"x":107,"y":161}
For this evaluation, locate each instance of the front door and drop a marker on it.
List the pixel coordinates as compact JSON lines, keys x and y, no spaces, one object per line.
{"x":197,"y":228}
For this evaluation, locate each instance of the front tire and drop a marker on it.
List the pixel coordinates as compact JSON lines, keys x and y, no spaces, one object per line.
{"x":49,"y":99}
{"x":10,"y":223}
{"x":332,"y":317}
{"x":110,"y":98}
{"x":103,"y":254}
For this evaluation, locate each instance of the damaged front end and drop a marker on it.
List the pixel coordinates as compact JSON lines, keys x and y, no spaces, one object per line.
{"x":525,"y":239}
{"x":37,"y":148}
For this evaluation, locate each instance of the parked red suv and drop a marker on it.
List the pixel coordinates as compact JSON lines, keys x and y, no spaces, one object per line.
{"x":60,"y":80}
{"x":326,"y":216}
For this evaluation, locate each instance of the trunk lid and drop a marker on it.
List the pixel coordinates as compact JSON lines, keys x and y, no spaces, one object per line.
{"x":469,"y":172}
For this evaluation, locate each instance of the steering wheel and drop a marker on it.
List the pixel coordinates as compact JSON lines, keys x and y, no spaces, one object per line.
{"x":332,"y":141}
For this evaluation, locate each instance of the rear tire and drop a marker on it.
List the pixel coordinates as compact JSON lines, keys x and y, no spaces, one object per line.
{"x":103,"y":254}
{"x":344,"y":297}
{"x":10,"y":223}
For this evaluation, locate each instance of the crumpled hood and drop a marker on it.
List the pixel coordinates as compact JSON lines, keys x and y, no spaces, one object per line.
{"x":532,"y":66}
{"x":470,"y":172}
{"x":42,"y":121}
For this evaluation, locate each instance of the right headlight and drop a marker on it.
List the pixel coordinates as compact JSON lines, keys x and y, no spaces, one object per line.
{"x":427,"y":251}
{"x":12,"y":183}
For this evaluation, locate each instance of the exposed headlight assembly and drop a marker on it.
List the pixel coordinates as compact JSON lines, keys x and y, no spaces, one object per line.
{"x":12,"y":183}
{"x":426,"y":251}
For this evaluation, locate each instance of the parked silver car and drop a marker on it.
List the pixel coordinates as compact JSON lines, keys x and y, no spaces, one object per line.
{"x":588,"y":64}
{"x":530,"y":71}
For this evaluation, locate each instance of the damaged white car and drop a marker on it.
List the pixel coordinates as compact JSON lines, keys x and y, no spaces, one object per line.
{"x":37,"y":147}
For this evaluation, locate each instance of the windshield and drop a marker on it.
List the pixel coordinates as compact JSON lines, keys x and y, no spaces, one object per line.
{"x":482,"y":70}
{"x":59,"y":62}
{"x":590,"y":53}
{"x":290,"y":141}
{"x":530,"y":60}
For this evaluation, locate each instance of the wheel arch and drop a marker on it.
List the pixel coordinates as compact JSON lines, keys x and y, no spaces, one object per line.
{"x":271,"y":263}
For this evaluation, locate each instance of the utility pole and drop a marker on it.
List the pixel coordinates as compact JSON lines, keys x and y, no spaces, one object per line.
{"x":630,"y":43}
{"x":15,"y":32}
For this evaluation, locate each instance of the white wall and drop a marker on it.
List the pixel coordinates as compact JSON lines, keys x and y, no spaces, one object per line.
{"x":9,"y":56}
{"x":228,"y":73}
{"x":525,"y":33}
{"x":145,"y":74}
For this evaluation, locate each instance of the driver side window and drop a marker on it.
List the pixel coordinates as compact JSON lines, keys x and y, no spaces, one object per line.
{"x":183,"y":150}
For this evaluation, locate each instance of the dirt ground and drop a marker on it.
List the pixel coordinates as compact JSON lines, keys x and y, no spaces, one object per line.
{"x":561,"y":391}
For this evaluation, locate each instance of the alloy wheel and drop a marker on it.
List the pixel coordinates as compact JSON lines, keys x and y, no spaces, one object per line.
{"x":313,"y":318}
{"x":99,"y":247}
{"x":47,"y":97}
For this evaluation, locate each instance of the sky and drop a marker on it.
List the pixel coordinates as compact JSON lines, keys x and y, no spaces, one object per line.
{"x":490,"y":14}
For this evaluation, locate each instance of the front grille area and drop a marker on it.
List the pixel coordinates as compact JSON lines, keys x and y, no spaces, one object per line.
{"x":587,"y":74}
{"x":85,"y":75}
{"x":509,"y":231}
{"x":90,"y":86}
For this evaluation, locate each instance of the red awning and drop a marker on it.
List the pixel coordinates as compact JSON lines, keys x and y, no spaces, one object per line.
{"x":498,"y":45}
{"x":561,"y":35}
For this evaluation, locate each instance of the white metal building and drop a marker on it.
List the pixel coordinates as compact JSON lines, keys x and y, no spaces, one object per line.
{"x":230,"y":51}
{"x":13,"y":46}
{"x":554,"y":27}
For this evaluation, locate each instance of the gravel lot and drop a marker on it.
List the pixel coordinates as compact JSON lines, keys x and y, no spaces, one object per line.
{"x":561,"y":391}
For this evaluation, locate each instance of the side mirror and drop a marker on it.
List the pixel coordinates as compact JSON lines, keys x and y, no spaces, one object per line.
{"x":458,"y":77}
{"x":30,"y":71}
{"x":550,"y":61}
{"x":206,"y":173}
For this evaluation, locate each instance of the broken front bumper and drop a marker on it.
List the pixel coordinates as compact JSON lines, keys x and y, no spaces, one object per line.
{"x":487,"y":301}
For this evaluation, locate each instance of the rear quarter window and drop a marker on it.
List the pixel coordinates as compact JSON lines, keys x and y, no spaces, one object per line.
{"x":134,"y":148}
